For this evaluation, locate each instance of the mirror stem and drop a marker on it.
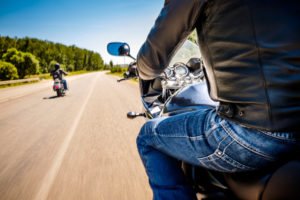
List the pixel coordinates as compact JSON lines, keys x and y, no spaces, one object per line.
{"x":131,"y":57}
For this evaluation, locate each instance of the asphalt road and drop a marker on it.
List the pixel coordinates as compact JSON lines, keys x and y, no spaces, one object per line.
{"x":80,"y":146}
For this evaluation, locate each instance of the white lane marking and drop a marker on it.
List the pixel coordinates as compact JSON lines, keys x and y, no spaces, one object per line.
{"x":52,"y":173}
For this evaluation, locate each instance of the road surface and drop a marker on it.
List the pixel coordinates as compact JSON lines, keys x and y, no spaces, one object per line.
{"x":80,"y":146}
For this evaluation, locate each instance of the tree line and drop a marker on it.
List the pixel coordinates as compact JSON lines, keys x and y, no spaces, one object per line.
{"x":20,"y":57}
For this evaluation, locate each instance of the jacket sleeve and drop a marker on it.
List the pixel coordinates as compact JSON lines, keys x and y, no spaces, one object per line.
{"x":175,"y":22}
{"x":63,"y":72}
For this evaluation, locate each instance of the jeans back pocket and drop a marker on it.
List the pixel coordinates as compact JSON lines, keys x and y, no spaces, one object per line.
{"x":221,"y":162}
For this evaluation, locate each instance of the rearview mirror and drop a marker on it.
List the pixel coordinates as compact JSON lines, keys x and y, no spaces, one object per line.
{"x":118,"y":49}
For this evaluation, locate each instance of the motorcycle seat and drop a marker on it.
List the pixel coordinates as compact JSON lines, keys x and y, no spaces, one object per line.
{"x":279,"y":183}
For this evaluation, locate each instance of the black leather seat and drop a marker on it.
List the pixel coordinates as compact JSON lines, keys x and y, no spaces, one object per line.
{"x":282,"y":183}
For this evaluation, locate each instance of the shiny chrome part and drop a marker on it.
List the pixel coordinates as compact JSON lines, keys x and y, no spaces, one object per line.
{"x":155,"y":110}
{"x":169,"y":72}
{"x":173,"y":79}
{"x":178,"y":76}
{"x":181,"y":71}
{"x":132,"y":115}
{"x":188,"y":80}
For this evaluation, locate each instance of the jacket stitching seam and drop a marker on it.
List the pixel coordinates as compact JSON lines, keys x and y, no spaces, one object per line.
{"x":212,"y":64}
{"x":260,"y":65}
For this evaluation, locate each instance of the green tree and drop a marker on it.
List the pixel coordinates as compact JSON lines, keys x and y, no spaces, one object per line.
{"x":95,"y":62}
{"x":70,"y":67}
{"x":6,"y":43}
{"x":31,"y":64}
{"x":111,"y":64}
{"x":26,"y":63}
{"x":8,"y":71}
{"x":13,"y":56}
{"x":74,"y":58}
{"x":106,"y":66}
{"x":79,"y":60}
{"x":193,"y":37}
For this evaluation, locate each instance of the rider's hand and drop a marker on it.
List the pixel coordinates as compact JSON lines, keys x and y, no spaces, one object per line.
{"x":132,"y":70}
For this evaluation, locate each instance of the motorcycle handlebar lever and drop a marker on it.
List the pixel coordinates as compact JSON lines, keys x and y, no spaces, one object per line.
{"x":132,"y":115}
{"x":122,"y":79}
{"x":127,"y":78}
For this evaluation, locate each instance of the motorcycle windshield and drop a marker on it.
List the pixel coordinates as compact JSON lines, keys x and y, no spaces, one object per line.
{"x":186,"y":51}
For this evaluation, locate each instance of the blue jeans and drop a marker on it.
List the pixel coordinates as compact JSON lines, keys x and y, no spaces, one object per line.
{"x":204,"y":139}
{"x":64,"y":81}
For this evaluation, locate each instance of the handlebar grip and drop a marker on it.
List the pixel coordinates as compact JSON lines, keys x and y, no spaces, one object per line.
{"x":122,"y":79}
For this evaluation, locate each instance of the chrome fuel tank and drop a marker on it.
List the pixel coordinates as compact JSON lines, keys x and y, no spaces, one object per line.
{"x":188,"y":99}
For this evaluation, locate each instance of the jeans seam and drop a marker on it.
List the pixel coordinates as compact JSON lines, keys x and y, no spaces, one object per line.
{"x":221,"y":142}
{"x":214,"y":153}
{"x":240,"y":165}
{"x":222,"y":157}
{"x":282,"y":139}
{"x":174,"y":136}
{"x":194,"y":138}
{"x":244,"y":145}
{"x":214,"y":157}
{"x":207,"y":157}
{"x":205,"y":134}
{"x":210,"y":131}
{"x":228,"y":145}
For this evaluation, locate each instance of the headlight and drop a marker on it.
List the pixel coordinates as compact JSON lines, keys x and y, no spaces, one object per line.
{"x":181,"y":71}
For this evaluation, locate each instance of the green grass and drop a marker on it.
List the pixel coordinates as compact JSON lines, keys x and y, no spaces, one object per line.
{"x":42,"y":77}
{"x":79,"y":72}
{"x":119,"y":74}
{"x":17,"y":84}
{"x":47,"y":75}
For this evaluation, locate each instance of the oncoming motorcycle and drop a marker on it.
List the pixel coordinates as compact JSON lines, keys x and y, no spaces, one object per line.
{"x":182,"y":88}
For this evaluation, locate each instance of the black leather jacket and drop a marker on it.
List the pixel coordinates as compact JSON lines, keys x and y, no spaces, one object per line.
{"x":58,"y":74}
{"x":251,"y":52}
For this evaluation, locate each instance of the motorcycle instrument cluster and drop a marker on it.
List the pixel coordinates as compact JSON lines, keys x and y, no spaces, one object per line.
{"x":181,"y":70}
{"x":179,"y":75}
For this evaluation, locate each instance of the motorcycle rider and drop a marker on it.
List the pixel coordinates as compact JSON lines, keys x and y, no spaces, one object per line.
{"x":58,"y":73}
{"x":251,"y":54}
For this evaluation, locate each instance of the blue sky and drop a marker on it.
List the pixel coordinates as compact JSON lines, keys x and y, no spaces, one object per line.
{"x":88,"y":24}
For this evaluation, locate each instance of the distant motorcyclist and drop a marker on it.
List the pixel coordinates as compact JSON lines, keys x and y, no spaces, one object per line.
{"x":58,"y":73}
